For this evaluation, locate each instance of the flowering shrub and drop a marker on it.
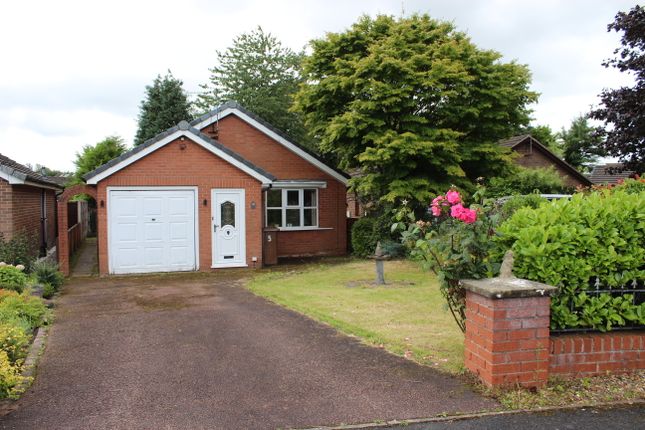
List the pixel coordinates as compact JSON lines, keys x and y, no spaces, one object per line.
{"x":454,"y":244}
{"x":12,"y":277}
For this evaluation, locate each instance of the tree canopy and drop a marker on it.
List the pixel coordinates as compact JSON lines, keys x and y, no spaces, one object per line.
{"x":623,"y":109}
{"x":92,"y":157}
{"x":165,"y":104}
{"x":262,"y":75}
{"x":581,"y":145}
{"x":413,"y":104}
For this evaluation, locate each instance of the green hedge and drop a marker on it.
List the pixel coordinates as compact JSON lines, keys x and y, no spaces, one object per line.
{"x":568,"y":243}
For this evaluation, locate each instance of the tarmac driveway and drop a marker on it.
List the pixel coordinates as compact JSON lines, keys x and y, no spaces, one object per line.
{"x":200,"y":351}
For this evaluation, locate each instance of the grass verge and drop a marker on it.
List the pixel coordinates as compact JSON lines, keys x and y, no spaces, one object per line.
{"x":406,"y":317}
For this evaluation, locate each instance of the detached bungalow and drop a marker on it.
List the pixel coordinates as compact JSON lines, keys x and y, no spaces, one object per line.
{"x":199,"y":195}
{"x":532,"y":154}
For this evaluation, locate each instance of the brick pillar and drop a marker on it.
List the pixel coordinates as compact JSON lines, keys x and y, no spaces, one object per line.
{"x":507,"y":331}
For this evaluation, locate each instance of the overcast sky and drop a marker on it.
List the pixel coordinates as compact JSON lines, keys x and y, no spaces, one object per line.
{"x":74,"y":72}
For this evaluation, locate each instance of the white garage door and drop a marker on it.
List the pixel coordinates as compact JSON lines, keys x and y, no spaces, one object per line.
{"x":151,"y":230}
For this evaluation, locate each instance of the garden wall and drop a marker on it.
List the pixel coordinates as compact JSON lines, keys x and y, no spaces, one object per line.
{"x":508,"y":342}
{"x":580,"y":355}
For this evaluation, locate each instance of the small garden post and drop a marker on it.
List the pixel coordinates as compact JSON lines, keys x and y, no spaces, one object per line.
{"x":379,"y":257}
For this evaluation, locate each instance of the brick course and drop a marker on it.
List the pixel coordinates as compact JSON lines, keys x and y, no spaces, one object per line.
{"x":581,"y":355}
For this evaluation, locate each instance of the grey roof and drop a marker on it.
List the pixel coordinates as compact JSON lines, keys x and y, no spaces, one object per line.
{"x":609,"y":173}
{"x":512,"y":142}
{"x":235,"y":105}
{"x":183,"y":125}
{"x":24,"y":173}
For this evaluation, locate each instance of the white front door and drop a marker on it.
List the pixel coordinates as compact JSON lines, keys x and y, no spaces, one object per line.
{"x":228,"y":228}
{"x":151,"y":230}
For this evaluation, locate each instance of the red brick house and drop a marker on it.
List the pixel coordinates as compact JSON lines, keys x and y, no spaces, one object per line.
{"x":27,"y":204}
{"x":198,"y":196}
{"x":532,"y":154}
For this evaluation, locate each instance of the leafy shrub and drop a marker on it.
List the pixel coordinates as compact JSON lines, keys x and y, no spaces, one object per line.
{"x":24,"y":310}
{"x":365,"y":235}
{"x":47,"y":273}
{"x":12,"y":278}
{"x":510,"y":206}
{"x":14,"y":340}
{"x":571,"y":243}
{"x":22,"y":248}
{"x":48,"y":291}
{"x":528,"y":181}
{"x":10,"y":377}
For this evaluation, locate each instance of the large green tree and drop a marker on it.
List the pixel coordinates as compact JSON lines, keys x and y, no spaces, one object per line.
{"x":581,"y":145}
{"x":414,"y":104}
{"x":623,"y":109}
{"x":92,"y":156}
{"x":165,"y":104}
{"x":262,"y":75}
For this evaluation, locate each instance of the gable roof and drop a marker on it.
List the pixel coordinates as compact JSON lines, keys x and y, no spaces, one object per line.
{"x":609,"y":173}
{"x":19,"y":174}
{"x":514,"y":141}
{"x":162,"y":139}
{"x":233,"y":108}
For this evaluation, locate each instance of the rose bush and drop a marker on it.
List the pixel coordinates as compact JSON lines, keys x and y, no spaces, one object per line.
{"x":454,"y":243}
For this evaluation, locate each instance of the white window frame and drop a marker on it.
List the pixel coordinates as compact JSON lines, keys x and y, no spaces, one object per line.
{"x":284,"y":206}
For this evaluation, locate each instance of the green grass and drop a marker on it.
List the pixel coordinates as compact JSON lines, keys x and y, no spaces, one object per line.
{"x":407,"y":317}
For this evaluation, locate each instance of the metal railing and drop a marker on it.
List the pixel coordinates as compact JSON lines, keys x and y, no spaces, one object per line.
{"x":634,"y":288}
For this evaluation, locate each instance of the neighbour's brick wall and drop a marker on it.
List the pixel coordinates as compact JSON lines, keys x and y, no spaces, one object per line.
{"x":581,"y":355}
{"x":533,"y":157}
{"x":507,"y":340}
{"x":271,"y":156}
{"x":192,"y":166}
{"x":20,"y":211}
{"x":6,"y":209}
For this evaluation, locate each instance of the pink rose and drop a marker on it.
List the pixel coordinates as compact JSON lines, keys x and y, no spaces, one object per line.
{"x":453,"y":197}
{"x":456,"y":210}
{"x":468,"y":216}
{"x":436,"y":210}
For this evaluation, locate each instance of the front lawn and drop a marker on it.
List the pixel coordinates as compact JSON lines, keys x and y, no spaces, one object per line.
{"x":406,"y":317}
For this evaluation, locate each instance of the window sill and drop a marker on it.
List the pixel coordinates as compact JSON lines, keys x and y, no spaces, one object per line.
{"x":304,"y":228}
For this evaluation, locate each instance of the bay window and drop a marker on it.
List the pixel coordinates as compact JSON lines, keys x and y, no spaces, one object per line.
{"x":292,"y":208}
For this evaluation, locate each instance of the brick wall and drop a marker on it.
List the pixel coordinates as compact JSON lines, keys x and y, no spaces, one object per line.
{"x":507,"y":340}
{"x":20,"y":211}
{"x":6,"y":209}
{"x":192,"y":166}
{"x":271,"y":156}
{"x":533,"y":157}
{"x":580,"y":355}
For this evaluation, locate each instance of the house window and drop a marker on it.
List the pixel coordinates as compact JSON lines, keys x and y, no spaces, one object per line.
{"x":292,"y":208}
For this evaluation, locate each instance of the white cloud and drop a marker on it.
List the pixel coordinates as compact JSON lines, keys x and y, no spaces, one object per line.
{"x":75,"y":71}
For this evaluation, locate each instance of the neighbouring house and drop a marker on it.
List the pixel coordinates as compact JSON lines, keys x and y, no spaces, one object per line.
{"x":199,"y":195}
{"x":609,"y":173}
{"x":533,"y":154}
{"x":27,"y":204}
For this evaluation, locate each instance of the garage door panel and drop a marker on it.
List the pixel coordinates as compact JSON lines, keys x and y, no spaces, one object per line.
{"x":151,"y":230}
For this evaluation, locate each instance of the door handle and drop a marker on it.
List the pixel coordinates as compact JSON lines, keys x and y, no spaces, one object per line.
{"x":215,"y":227}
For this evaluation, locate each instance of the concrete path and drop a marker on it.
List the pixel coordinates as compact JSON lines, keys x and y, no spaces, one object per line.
{"x":199,"y":351}
{"x":86,"y":264}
